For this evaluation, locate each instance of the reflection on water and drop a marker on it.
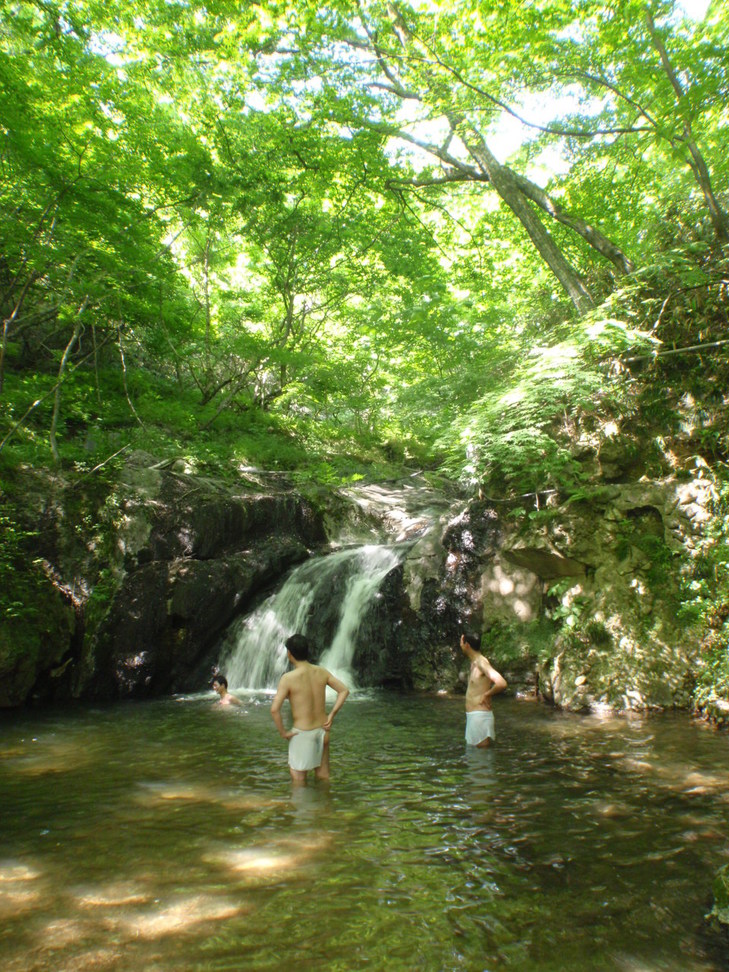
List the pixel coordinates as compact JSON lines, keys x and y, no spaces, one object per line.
{"x":166,"y":837}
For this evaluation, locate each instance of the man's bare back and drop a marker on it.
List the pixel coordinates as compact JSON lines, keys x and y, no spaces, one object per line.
{"x":483,"y":679}
{"x":305,"y":688}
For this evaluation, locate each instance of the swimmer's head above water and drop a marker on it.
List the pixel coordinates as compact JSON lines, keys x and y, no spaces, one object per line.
{"x":219,"y":682}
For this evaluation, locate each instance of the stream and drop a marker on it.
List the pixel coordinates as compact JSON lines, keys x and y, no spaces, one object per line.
{"x":165,"y":836}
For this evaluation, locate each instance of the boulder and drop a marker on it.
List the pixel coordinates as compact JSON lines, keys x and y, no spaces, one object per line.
{"x":167,"y":615}
{"x":35,"y":642}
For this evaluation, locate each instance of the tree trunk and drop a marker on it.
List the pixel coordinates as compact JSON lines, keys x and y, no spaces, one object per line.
{"x":9,"y":320}
{"x":505,"y":184}
{"x":123,"y":360}
{"x":208,"y":314}
{"x":458,"y":172}
{"x":696,"y":161}
{"x":594,"y":237}
{"x":57,"y":395}
{"x":501,"y":177}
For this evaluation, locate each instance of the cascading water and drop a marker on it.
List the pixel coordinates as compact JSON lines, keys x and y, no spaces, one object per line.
{"x":330,"y":593}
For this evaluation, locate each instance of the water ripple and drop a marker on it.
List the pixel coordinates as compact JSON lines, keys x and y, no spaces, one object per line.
{"x":167,"y":837}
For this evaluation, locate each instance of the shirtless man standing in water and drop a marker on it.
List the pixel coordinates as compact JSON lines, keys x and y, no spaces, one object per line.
{"x":305,"y":688}
{"x":483,"y":682}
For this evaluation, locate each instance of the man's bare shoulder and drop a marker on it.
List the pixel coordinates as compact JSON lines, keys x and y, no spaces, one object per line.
{"x":301,"y":674}
{"x":310,"y":669}
{"x":488,"y":669}
{"x":483,"y":664}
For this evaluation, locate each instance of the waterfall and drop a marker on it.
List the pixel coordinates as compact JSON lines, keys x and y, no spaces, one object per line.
{"x":325,"y":596}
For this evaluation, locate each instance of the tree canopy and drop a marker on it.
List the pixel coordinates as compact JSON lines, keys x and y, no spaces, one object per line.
{"x":325,"y":236}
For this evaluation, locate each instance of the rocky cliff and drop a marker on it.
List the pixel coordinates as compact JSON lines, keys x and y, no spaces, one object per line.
{"x":581,"y":602}
{"x":126,"y":585}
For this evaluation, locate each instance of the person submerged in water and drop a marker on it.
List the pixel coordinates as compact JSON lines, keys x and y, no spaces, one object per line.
{"x":220,"y":685}
{"x":483,"y":683}
{"x":305,"y":688}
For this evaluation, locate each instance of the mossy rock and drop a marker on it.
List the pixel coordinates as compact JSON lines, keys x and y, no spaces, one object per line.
{"x":31,"y":646}
{"x":720,"y":911}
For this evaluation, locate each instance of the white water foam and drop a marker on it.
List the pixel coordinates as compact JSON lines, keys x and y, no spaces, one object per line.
{"x":258,"y":656}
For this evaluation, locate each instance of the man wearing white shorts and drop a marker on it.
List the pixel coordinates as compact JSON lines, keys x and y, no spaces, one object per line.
{"x":306,"y":749}
{"x":305,"y":687}
{"x":483,"y":683}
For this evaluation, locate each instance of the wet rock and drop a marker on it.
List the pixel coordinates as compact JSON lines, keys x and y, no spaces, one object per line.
{"x":33,"y":644}
{"x":144,"y":574}
{"x":167,"y":616}
{"x":720,"y":911}
{"x":576,"y":600}
{"x":584,"y":593}
{"x":620,"y":456}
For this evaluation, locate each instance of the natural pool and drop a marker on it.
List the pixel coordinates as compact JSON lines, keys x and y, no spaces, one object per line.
{"x":166,"y":837}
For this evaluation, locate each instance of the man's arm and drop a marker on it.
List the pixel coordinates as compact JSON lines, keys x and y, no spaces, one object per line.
{"x":342,"y":692}
{"x":498,"y":682}
{"x":282,"y":693}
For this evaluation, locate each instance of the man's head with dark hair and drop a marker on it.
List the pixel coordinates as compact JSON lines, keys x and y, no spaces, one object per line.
{"x":473,"y":640}
{"x":221,"y":680}
{"x":298,"y":646}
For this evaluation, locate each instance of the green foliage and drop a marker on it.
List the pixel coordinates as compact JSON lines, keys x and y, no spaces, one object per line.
{"x":239,"y":260}
{"x":720,"y":888}
{"x":705,"y":599}
{"x":515,"y":644}
{"x":568,"y":611}
{"x":21,"y":577}
{"x":658,"y":561}
{"x":521,"y":433}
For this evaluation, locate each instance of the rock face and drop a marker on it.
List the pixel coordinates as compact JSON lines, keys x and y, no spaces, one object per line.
{"x":441,"y":577}
{"x":34,"y":642}
{"x":620,"y":641}
{"x":720,"y":911}
{"x":144,"y":585}
{"x":580,"y":601}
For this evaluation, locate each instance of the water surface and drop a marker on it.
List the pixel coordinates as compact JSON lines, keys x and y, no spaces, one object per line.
{"x":166,"y":837}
